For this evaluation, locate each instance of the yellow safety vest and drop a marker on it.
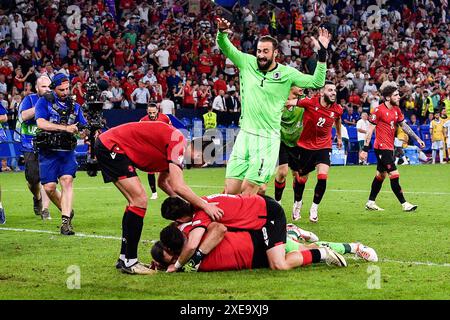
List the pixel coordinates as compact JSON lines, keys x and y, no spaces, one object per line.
{"x":427,"y":105}
{"x":210,"y":120}
{"x":273,"y":20}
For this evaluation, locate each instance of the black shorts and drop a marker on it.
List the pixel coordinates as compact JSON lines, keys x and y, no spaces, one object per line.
{"x":288,"y":155}
{"x":259,"y":259}
{"x":274,"y":231}
{"x":307,"y":160}
{"x":385,"y":160}
{"x":272,"y":234}
{"x":114,"y":166}
{"x":31,"y":168}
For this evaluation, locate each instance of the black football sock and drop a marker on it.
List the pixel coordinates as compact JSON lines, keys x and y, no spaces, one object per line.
{"x":123,"y":248}
{"x":377,"y":183}
{"x":320,"y":188}
{"x":395,"y":186}
{"x":299,"y":188}
{"x":134,"y":220}
{"x":279,"y":188}
{"x":152,"y":182}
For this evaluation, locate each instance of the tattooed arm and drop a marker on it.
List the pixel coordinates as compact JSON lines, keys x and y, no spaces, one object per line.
{"x":365,"y":150}
{"x":411,"y":133}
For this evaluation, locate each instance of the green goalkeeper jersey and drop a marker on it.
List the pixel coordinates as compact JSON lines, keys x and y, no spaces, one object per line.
{"x":264,"y":94}
{"x":291,"y":126}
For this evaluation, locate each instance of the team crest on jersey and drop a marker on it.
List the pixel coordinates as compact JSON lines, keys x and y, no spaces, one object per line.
{"x":277,"y":75}
{"x":332,"y":114}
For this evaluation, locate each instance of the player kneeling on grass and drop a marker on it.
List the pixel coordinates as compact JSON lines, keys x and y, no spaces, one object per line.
{"x":241,"y":213}
{"x":384,"y":120}
{"x":151,"y":147}
{"x":314,"y":145}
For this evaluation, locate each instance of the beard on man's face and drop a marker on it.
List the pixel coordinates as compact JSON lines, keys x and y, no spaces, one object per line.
{"x":264,"y":63}
{"x":393,"y":102}
{"x":329,"y":99}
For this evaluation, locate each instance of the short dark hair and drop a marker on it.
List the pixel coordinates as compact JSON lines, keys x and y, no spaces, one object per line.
{"x":388,"y":91}
{"x":172,"y":238}
{"x":157,"y":253}
{"x":269,"y":39}
{"x":329,"y":82}
{"x":174,"y":208}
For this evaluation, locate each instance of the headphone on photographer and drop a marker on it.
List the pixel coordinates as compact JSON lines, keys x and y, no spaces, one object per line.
{"x":57,"y":80}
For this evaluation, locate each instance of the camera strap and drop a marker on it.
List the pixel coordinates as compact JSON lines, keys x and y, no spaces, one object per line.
{"x":68,"y":115}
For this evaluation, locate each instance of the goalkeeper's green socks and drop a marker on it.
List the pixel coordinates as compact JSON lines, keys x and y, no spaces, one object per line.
{"x":341,"y":248}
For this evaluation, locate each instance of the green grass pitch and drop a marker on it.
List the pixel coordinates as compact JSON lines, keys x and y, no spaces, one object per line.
{"x":414,"y":248}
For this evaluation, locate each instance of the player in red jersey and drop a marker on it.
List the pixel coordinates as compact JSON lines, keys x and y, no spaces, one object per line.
{"x":150,"y":147}
{"x":315,"y":142}
{"x":241,"y":213}
{"x":384,"y":120}
{"x":225,"y":250}
{"x":154,"y":115}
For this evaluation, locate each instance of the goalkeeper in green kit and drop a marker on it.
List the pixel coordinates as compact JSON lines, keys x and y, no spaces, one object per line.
{"x":291,"y":128}
{"x":265,"y":87}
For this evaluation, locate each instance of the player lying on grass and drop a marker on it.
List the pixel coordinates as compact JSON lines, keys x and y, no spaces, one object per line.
{"x":234,"y":251}
{"x":298,"y":241}
{"x":222,"y":250}
{"x":150,"y":146}
{"x":241,"y":213}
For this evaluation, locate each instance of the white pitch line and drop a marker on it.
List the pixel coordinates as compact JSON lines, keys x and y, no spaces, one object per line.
{"x":288,"y":190}
{"x":81,"y":235}
{"x":418,"y":263}
{"x":339,"y":190}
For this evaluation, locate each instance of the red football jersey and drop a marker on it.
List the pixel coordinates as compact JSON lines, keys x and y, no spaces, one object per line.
{"x":150,"y":145}
{"x":317,"y":123}
{"x":161,"y":117}
{"x":240,"y":212}
{"x":234,"y":252}
{"x":386,"y":121}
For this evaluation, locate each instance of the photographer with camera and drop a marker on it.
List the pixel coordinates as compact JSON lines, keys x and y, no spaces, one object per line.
{"x":57,"y":117}
{"x":28,"y":129}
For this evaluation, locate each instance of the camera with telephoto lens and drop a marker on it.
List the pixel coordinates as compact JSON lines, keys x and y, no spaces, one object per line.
{"x":93,"y":112}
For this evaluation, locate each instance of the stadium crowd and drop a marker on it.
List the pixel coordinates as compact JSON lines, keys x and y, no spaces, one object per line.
{"x":159,"y":51}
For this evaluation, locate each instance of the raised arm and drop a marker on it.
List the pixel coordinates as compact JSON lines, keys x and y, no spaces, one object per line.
{"x":237,"y":57}
{"x":317,"y":80}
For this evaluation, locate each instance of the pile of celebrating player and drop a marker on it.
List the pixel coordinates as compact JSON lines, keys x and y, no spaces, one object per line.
{"x":241,"y":228}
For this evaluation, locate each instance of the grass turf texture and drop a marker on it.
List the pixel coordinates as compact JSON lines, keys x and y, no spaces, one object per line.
{"x":34,"y":265}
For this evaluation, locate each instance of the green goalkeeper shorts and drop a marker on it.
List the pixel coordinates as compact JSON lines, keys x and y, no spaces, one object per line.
{"x":254,"y":158}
